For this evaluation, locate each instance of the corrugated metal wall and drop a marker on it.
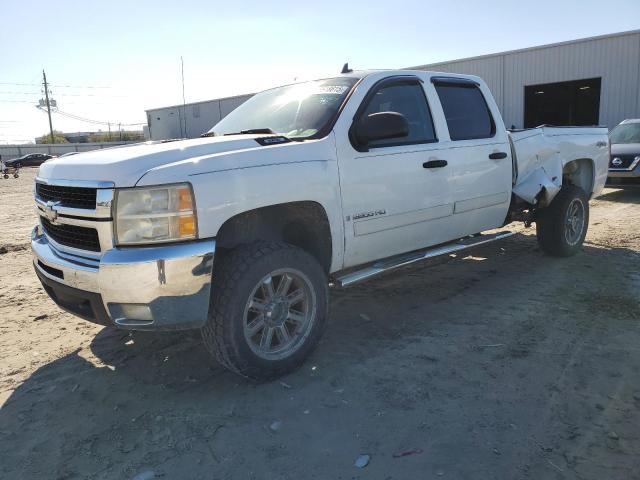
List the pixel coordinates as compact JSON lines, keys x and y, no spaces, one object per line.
{"x":615,"y":59}
{"x":7,"y":152}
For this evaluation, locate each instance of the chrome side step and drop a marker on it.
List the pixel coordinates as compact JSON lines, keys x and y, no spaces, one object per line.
{"x":387,"y":264}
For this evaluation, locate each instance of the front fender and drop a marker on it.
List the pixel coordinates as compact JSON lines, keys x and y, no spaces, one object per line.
{"x":221,"y":195}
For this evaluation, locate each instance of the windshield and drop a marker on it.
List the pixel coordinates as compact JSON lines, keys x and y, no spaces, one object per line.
{"x":626,"y":133}
{"x":296,"y":111}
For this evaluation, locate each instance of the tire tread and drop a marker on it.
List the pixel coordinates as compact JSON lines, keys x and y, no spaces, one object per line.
{"x":550,"y":226}
{"x":216,"y":332}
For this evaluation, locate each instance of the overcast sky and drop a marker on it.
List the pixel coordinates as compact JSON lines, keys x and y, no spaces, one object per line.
{"x":109,"y":61}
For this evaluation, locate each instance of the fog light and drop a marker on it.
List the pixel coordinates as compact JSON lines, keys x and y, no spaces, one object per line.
{"x":130,"y":312}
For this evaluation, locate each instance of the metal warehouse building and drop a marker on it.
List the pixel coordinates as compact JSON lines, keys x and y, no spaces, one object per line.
{"x":590,"y":81}
{"x":190,"y":120}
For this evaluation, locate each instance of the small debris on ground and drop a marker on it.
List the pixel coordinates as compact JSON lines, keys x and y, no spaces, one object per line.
{"x":407,"y":453}
{"x":362,"y":461}
{"x":285,"y":385}
{"x":613,"y":435}
{"x":146,"y":475}
{"x":275,"y":426}
{"x":365,"y":317}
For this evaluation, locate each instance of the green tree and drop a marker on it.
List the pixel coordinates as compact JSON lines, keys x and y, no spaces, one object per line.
{"x":58,"y":137}
{"x":127,"y":136}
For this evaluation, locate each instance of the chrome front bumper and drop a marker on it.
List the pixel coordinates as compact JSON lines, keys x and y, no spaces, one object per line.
{"x":143,"y":288}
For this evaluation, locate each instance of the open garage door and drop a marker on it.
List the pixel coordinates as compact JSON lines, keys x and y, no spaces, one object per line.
{"x":563,"y":103}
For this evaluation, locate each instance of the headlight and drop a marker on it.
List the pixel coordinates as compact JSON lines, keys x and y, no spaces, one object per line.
{"x":155,"y":214}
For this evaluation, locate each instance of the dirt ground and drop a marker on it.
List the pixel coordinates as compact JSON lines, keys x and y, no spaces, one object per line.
{"x":498,"y":364}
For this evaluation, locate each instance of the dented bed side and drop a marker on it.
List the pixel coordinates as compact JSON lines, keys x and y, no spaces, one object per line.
{"x":545,"y":156}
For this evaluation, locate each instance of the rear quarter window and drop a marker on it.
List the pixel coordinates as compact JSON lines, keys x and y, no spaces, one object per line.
{"x":466,"y":111}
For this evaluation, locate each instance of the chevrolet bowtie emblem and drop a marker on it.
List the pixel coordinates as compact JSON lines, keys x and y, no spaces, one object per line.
{"x":50,"y":212}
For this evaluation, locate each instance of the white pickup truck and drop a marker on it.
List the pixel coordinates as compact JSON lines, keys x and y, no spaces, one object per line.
{"x":240,"y":233}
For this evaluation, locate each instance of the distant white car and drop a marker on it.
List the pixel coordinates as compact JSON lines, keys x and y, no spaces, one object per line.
{"x":331,"y":181}
{"x":624,"y":165}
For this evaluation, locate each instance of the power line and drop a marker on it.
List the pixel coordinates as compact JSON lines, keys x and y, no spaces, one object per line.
{"x":96,"y":122}
{"x":21,"y":84}
{"x":66,"y":94}
{"x":56,"y":86}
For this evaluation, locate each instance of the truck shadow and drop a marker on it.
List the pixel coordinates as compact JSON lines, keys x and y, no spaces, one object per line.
{"x":622,"y":195}
{"x":156,"y":400}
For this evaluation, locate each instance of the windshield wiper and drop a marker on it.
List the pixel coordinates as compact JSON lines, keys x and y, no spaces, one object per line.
{"x":256,"y":131}
{"x":252,"y":131}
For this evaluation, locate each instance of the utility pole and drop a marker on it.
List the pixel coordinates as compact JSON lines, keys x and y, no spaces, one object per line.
{"x":109,"y":132}
{"x":120,"y":128}
{"x":46,"y":96}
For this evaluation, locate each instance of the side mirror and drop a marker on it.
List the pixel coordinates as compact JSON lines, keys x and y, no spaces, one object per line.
{"x":380,"y":126}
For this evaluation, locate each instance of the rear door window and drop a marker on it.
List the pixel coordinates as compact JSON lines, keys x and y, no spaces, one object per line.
{"x":466,"y":111}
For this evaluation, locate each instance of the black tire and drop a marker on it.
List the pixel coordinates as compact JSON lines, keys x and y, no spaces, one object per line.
{"x":557,"y":236}
{"x":236,"y":277}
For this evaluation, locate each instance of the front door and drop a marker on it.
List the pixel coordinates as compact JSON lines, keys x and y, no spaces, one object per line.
{"x":396,"y":195}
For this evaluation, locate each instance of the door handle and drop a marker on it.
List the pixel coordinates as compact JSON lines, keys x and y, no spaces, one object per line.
{"x":497,"y":155}
{"x":434,"y":164}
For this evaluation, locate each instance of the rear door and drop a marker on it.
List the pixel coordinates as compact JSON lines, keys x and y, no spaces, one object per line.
{"x":478,"y":153}
{"x":392,"y":202}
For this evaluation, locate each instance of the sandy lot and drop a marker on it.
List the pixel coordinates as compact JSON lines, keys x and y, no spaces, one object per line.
{"x":498,"y":364}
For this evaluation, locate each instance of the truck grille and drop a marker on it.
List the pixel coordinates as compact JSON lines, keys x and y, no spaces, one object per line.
{"x":627,"y":160}
{"x":73,"y":197}
{"x":72,"y":236}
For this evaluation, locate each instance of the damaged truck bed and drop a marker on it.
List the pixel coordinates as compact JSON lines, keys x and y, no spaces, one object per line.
{"x":542,"y":156}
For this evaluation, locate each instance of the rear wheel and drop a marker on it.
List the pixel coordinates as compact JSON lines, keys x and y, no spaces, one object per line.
{"x":268,"y":309}
{"x":562,"y":226}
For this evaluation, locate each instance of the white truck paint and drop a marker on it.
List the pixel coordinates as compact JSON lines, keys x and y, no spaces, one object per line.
{"x":378,"y":201}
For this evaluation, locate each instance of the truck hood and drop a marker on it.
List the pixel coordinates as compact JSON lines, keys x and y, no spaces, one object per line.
{"x":124,"y":166}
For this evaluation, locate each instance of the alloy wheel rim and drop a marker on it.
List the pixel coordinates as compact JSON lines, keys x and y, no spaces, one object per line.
{"x":279,"y":314}
{"x":574,"y":224}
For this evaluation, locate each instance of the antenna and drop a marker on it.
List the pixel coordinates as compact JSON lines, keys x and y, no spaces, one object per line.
{"x":346,"y":69}
{"x":184,"y":102}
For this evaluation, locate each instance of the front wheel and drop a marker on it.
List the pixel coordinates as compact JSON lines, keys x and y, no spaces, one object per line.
{"x":562,"y":226}
{"x":268,"y":309}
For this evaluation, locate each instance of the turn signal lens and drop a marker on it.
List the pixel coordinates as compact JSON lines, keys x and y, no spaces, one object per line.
{"x":187,"y":226}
